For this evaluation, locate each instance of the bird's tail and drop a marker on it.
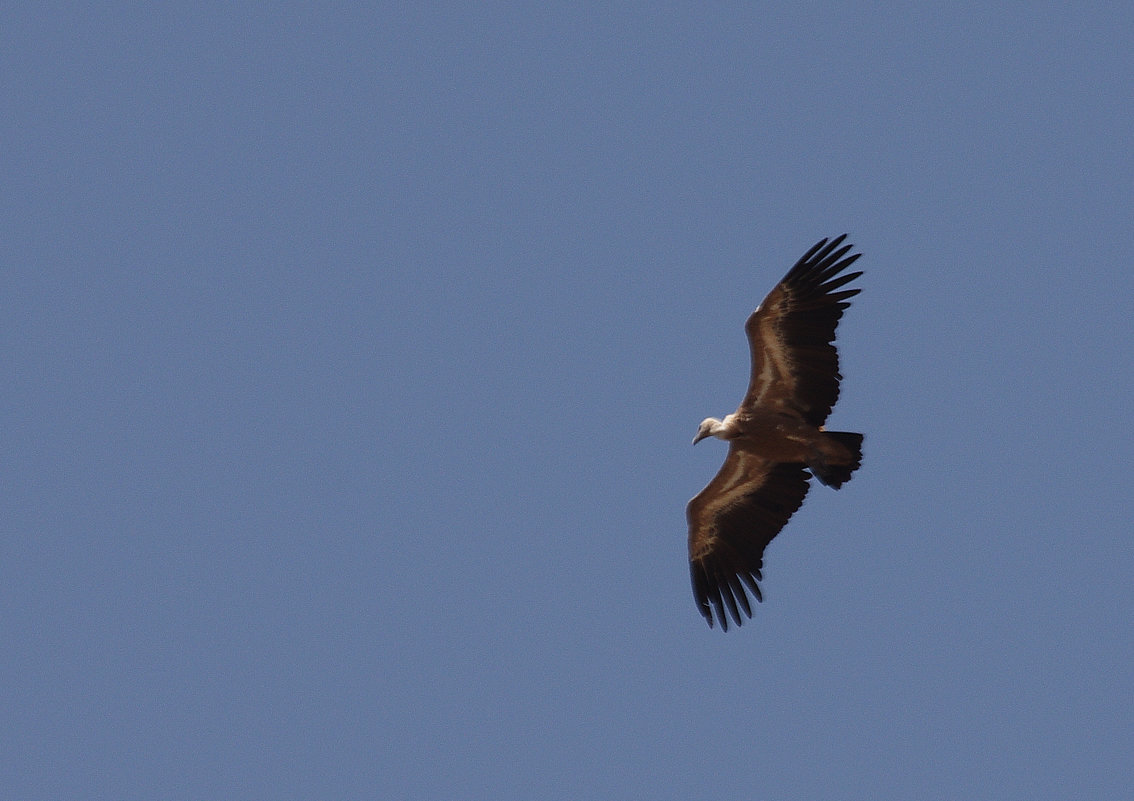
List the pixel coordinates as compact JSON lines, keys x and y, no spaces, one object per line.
{"x":835,"y":463}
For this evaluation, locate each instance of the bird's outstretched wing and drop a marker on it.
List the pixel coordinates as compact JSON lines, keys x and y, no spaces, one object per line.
{"x":795,"y":367}
{"x":731,"y":521}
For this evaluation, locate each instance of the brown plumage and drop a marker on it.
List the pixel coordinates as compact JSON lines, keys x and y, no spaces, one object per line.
{"x":776,"y":437}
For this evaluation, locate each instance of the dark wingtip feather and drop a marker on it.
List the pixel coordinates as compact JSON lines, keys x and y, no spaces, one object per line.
{"x":824,"y":246}
{"x":720,"y":599}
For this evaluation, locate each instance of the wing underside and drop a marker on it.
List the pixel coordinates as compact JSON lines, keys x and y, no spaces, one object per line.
{"x":795,"y":366}
{"x":731,"y":522}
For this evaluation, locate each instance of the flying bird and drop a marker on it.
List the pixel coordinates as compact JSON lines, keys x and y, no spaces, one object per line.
{"x":776,"y":439}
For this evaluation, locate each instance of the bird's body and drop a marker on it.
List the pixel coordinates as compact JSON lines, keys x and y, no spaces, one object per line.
{"x":782,"y":437}
{"x":776,"y":437}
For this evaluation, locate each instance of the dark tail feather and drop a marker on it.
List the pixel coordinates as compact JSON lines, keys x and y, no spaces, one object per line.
{"x":835,"y":475}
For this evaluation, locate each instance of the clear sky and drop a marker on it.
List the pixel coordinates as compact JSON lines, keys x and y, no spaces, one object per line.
{"x":352,"y":354}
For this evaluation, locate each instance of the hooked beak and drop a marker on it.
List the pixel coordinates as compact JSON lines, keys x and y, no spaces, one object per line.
{"x":700,"y":436}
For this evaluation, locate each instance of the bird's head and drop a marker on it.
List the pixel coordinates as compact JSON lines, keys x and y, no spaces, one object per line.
{"x":707,"y":428}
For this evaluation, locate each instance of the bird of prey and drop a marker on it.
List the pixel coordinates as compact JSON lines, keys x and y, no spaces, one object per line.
{"x":776,"y":439}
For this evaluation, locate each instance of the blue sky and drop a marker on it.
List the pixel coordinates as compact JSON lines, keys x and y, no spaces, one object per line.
{"x":352,"y":356}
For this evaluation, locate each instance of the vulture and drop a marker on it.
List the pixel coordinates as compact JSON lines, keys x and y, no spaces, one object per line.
{"x":776,"y":439}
